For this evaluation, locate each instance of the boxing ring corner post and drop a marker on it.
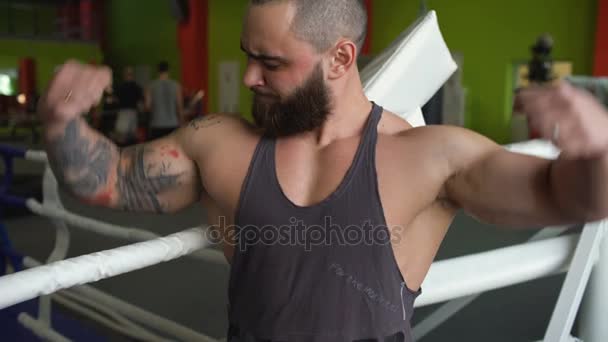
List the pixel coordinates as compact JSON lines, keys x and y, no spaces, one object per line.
{"x":594,"y":309}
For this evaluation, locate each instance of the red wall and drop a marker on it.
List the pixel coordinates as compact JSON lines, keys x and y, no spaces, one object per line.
{"x":368,"y":40}
{"x":193,"y":43}
{"x":601,"y":42}
{"x":27,"y":76}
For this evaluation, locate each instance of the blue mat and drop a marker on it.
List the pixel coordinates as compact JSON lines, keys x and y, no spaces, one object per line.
{"x":12,"y":331}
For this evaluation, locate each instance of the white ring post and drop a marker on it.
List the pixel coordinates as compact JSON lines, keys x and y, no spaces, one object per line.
{"x":594,"y":311}
{"x":50,"y":195}
{"x":574,"y":286}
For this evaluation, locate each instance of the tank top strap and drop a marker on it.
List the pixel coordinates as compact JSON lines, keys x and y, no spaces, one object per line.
{"x":259,"y":171}
{"x":371,"y":135}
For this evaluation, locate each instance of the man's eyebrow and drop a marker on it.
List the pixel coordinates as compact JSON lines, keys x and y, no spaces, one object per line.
{"x":262,"y":56}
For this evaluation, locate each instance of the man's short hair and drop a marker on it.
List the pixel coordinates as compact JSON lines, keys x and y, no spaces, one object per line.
{"x":163,"y":66}
{"x":323,"y":22}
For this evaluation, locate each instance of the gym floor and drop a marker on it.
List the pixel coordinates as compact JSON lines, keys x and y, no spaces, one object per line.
{"x":195,"y":294}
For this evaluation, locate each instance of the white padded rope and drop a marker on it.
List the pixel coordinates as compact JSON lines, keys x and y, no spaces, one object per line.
{"x":131,"y":311}
{"x":209,"y":255}
{"x":43,"y":280}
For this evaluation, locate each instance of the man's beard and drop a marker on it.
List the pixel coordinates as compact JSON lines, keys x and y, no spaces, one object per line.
{"x":304,"y":110}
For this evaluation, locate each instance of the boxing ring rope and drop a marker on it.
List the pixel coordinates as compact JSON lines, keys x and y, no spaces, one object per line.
{"x":93,"y":267}
{"x":130,"y":234}
{"x":128,"y":310}
{"x":478,"y":272}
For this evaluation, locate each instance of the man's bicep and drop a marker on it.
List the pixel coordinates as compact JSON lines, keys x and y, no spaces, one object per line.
{"x":156,"y":177}
{"x":506,"y":188}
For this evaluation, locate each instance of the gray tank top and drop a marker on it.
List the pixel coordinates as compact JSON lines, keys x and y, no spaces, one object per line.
{"x":163,"y":95}
{"x":326,"y":272}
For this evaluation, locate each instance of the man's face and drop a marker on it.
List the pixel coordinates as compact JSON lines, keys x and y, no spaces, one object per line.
{"x":285,"y":73}
{"x":305,"y":109}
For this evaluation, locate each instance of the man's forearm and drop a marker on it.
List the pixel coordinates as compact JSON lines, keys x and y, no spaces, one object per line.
{"x":581,"y":187}
{"x":82,"y":159}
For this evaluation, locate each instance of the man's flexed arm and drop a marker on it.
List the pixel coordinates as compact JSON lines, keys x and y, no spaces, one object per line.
{"x":576,"y":123}
{"x":513,"y":189}
{"x":157,"y":176}
{"x":82,"y":159}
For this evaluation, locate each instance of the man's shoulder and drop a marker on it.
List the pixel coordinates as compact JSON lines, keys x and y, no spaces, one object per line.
{"x":223,"y":125}
{"x":393,"y":125}
{"x":456,"y":147}
{"x":227,"y":135}
{"x":439,"y":141}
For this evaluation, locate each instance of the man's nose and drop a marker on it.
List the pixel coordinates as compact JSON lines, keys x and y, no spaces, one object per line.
{"x":253,"y":75}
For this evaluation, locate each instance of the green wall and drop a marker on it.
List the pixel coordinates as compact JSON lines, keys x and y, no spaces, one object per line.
{"x":141,"y":33}
{"x":24,"y":20}
{"x":48,"y":55}
{"x":225,"y":22}
{"x":136,"y":39}
{"x":492,"y":35}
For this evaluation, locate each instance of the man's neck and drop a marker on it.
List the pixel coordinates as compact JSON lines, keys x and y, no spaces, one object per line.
{"x":347,"y":119}
{"x":163,"y":76}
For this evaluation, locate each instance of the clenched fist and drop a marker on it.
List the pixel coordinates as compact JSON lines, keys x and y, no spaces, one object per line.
{"x":570,"y":117}
{"x":74,"y":90}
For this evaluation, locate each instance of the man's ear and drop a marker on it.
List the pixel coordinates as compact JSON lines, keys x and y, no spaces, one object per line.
{"x":343,"y":57}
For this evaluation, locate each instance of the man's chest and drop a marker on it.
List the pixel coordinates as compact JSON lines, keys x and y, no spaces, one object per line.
{"x":406,"y":181}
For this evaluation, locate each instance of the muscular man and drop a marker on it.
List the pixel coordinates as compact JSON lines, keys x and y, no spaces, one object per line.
{"x":299,"y":193}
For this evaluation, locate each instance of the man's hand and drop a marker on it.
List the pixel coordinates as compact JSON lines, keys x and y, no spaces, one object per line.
{"x":74,"y":90}
{"x":570,"y":117}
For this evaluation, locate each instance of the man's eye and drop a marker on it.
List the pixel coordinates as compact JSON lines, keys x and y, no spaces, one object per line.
{"x":271,"y":66}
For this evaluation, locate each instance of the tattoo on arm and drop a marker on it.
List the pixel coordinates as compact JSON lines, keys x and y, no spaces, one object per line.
{"x":205,"y":121}
{"x":84,"y":165}
{"x":81,"y":163}
{"x":139,"y":182}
